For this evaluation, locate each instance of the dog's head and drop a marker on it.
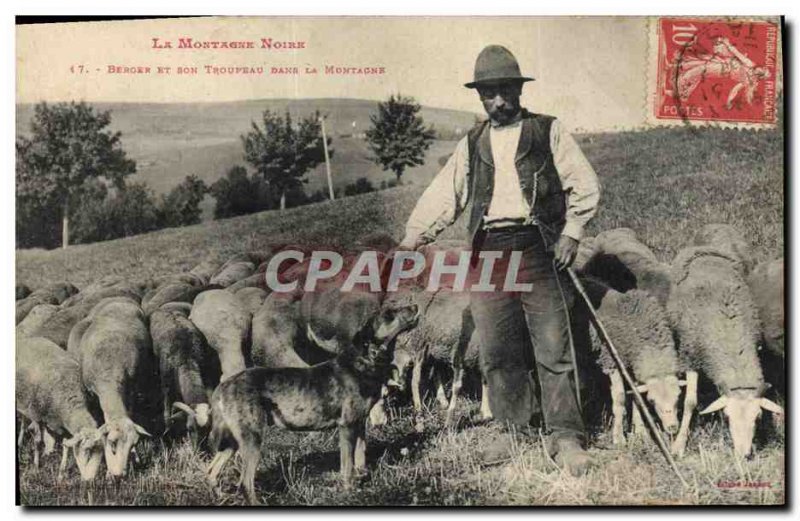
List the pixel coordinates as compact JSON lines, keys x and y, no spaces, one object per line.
{"x":380,"y":333}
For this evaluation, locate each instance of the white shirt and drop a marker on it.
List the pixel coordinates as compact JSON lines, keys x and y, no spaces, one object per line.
{"x":447,"y":195}
{"x":507,"y":199}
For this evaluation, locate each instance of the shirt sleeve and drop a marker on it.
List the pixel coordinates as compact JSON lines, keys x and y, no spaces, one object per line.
{"x":578,"y":179}
{"x":442,"y":202}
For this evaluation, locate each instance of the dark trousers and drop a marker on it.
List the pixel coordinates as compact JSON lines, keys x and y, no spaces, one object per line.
{"x":523,"y":328}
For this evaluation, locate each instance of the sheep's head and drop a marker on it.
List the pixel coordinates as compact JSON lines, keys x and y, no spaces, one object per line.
{"x":87,"y":446}
{"x":663,"y":392}
{"x":401,"y":364}
{"x":742,"y":407}
{"x":121,"y":435}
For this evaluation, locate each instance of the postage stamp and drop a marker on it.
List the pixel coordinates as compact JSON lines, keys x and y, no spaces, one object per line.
{"x":708,"y":70}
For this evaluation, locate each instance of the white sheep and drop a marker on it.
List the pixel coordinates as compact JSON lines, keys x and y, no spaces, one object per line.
{"x":623,"y":262}
{"x":225,"y":323}
{"x":35,"y":319}
{"x":767,"y":285}
{"x":728,"y":239}
{"x":49,"y":392}
{"x":639,"y":328}
{"x":716,"y":324}
{"x":117,"y":367}
{"x":188,"y":368}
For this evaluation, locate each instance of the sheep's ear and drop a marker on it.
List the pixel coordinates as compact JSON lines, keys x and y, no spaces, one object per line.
{"x":771,"y":406}
{"x":141,"y":430}
{"x":718,"y":404}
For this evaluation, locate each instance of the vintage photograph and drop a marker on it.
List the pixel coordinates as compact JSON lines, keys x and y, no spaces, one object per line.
{"x":400,"y":261}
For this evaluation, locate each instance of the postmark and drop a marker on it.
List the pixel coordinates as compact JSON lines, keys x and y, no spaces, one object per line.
{"x":710,"y":71}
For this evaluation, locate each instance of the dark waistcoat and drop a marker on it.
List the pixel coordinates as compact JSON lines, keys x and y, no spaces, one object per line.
{"x":535,"y":168}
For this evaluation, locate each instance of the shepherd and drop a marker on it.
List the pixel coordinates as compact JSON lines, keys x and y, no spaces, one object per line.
{"x":528,"y":192}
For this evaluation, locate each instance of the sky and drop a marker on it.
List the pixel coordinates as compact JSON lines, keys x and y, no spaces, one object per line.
{"x":591,"y":72}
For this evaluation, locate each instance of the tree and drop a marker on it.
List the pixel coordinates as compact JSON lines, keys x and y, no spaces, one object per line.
{"x":181,"y":206}
{"x":239,"y":194}
{"x":282,"y":153}
{"x":398,"y":137}
{"x":69,"y":144}
{"x":129,"y":211}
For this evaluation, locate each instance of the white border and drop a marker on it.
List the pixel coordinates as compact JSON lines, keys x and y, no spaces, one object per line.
{"x":341,"y":7}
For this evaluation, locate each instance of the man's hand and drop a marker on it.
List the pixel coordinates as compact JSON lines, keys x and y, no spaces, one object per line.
{"x":410,"y":244}
{"x":565,"y":252}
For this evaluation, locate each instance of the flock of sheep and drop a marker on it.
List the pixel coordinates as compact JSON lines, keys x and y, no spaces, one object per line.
{"x":101,"y":367}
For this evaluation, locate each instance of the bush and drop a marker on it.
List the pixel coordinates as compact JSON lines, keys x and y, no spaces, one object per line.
{"x":130,"y":211}
{"x":181,"y":206}
{"x":361,"y":186}
{"x":240,"y":194}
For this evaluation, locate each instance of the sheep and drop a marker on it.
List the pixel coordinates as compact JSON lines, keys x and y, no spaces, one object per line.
{"x":444,"y":336}
{"x":623,"y":262}
{"x":225,"y":323}
{"x":640,"y":329}
{"x":22,"y":291}
{"x":188,"y":368}
{"x":115,"y":356}
{"x":170,"y":292}
{"x":279,"y":334}
{"x":715,"y":321}
{"x":206,"y":269}
{"x":185,"y":278}
{"x":109,"y":286}
{"x":726,"y":238}
{"x":37,"y":316}
{"x":52,"y":294}
{"x":50,"y":394}
{"x":233,"y":271}
{"x":766,"y":283}
{"x":252,"y":298}
{"x":256,"y":280}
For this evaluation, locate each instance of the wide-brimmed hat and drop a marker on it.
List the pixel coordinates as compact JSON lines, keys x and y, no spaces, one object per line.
{"x":496,"y":63}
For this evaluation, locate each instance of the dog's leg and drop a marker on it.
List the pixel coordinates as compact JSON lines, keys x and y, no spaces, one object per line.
{"x":360,"y":457}
{"x":617,"y":408}
{"x":217,"y":464}
{"x":689,"y":403}
{"x":347,"y":446}
{"x":377,"y":415}
{"x":251,"y":454}
{"x":486,"y":411}
{"x":416,"y":384}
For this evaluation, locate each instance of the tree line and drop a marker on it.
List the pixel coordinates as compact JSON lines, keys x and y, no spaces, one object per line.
{"x":73,"y":175}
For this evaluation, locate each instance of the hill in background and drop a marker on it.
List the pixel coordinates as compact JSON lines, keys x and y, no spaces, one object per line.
{"x":172,"y":140}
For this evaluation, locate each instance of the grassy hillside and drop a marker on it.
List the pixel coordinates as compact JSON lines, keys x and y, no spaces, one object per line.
{"x":662,"y":183}
{"x":172,"y":140}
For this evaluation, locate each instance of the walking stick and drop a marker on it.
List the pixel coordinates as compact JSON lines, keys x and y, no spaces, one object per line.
{"x":637,"y":397}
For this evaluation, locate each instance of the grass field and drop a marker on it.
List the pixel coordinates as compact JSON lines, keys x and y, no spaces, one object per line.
{"x":662,"y":183}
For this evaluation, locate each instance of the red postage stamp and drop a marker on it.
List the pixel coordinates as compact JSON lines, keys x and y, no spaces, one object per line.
{"x":716,"y":70}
